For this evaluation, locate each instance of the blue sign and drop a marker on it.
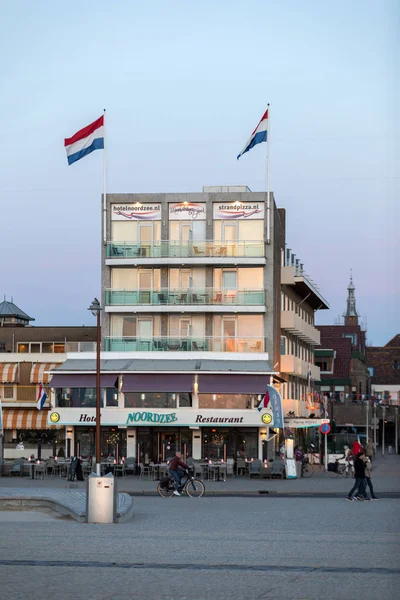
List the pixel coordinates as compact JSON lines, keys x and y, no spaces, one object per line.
{"x":325,"y":428}
{"x":275,"y":404}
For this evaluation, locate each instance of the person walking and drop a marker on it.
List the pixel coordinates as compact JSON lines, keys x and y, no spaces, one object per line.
{"x":356,"y":449}
{"x":369,"y":450}
{"x":359,"y":474}
{"x":368,"y":474}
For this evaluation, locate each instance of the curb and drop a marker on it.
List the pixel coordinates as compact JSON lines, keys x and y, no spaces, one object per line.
{"x":265,"y":493}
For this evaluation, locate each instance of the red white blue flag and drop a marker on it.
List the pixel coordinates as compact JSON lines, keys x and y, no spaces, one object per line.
{"x":259,"y":134}
{"x":42,"y":397}
{"x":273,"y":401}
{"x":85,"y":141}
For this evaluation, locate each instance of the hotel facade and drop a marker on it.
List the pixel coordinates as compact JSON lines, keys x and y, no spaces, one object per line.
{"x":192,"y":329}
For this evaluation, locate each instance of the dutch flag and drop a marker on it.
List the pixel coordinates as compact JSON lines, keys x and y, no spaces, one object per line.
{"x":42,"y":397}
{"x":85,"y":141}
{"x":264,"y":402}
{"x":259,"y":134}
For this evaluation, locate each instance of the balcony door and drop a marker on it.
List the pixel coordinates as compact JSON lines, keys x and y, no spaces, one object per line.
{"x":229,"y":285}
{"x":145,"y":238}
{"x":230,"y":231}
{"x":145,"y":332}
{"x":145,"y":286}
{"x":229,"y":333}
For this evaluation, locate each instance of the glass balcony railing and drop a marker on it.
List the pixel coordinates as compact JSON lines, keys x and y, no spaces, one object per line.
{"x":185,"y":344}
{"x":195,"y":297}
{"x":193,"y":249}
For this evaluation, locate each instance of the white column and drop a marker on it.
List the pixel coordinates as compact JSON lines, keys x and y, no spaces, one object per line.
{"x":196,"y":443}
{"x":131,"y":445}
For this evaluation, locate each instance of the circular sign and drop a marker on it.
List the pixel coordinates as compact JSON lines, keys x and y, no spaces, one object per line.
{"x":266,"y":418}
{"x":54,"y":417}
{"x":325,"y":428}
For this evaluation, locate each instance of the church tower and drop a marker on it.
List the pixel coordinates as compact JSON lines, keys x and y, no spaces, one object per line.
{"x":351,"y":314}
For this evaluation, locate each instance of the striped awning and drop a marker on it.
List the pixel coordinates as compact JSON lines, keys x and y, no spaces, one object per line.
{"x":8,"y":372}
{"x":38,"y":374}
{"x":21,"y":418}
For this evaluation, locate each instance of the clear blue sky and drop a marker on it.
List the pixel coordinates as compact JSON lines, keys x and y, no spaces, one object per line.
{"x":184,"y":84}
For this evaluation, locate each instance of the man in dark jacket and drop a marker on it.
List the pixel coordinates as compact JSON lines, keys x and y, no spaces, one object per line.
{"x":176,"y":469}
{"x":359,"y":474}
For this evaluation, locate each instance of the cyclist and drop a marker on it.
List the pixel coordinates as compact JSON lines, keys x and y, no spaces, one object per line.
{"x":177,"y":469}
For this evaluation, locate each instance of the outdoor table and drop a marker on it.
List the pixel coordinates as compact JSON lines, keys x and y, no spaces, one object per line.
{"x":218,"y":467}
{"x":159,"y":470}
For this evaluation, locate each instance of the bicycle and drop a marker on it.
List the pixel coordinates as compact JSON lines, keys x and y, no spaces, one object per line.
{"x":194,"y":488}
{"x":338,"y":469}
{"x":306,"y":468}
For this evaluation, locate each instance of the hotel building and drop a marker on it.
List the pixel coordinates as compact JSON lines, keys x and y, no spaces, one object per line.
{"x":197,"y":296}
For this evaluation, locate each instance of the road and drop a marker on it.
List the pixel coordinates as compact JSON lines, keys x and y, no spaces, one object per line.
{"x":280,"y":548}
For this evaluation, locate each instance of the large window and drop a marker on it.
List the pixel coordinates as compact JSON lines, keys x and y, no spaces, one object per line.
{"x":38,"y":347}
{"x":84,"y":397}
{"x":221,"y":443}
{"x":157,"y":400}
{"x":217,"y":401}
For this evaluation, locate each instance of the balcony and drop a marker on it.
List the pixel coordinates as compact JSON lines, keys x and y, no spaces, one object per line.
{"x":196,"y":300}
{"x":184,"y":344}
{"x":294,"y":323}
{"x":172,"y":252}
{"x":296,"y":366}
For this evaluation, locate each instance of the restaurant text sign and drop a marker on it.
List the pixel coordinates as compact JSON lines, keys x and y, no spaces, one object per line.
{"x":187,"y":211}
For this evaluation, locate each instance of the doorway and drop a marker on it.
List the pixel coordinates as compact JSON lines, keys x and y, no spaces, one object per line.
{"x":145,"y":238}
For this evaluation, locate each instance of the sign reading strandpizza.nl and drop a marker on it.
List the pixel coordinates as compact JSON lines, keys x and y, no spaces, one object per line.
{"x":136,"y":212}
{"x":238,"y":210}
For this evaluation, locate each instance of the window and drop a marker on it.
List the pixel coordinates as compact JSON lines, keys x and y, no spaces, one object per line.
{"x":351,"y":336}
{"x":111,"y":397}
{"x":283,"y":344}
{"x":396,"y":364}
{"x":8,"y":392}
{"x":35,"y":347}
{"x":150,"y":400}
{"x":225,"y":401}
{"x":371,"y":371}
{"x":325,"y":364}
{"x":23,"y":348}
{"x":47,"y":347}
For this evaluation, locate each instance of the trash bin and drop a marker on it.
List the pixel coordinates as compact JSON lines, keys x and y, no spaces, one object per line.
{"x":101,"y":498}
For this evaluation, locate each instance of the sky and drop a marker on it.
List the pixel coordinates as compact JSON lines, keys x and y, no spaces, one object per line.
{"x":184,"y":85}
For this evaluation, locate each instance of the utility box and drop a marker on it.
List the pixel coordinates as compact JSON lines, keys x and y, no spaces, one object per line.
{"x":101,"y":499}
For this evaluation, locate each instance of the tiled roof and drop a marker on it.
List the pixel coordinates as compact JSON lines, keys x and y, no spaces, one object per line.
{"x":9,"y":309}
{"x":385,"y":361}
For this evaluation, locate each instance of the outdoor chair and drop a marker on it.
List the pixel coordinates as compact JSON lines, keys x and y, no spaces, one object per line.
{"x":145,"y":470}
{"x":197,"y":470}
{"x":240,"y":466}
{"x":278,"y":469}
{"x":130,"y":464}
{"x":120,"y":470}
{"x":255,"y":468}
{"x":16,"y":469}
{"x":40,"y":471}
{"x":230,"y":467}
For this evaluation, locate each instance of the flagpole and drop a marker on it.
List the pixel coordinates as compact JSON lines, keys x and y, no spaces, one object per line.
{"x":104,"y":185}
{"x":268,"y":183}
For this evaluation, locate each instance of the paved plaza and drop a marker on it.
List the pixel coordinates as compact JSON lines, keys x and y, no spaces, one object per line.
{"x":280,"y":548}
{"x":385,"y":476}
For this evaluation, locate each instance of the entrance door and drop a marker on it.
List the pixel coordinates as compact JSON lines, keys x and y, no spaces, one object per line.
{"x":166,"y":445}
{"x":145,"y":286}
{"x":145,"y":238}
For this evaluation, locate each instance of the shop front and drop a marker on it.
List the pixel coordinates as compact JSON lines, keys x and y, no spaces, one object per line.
{"x":157,"y":434}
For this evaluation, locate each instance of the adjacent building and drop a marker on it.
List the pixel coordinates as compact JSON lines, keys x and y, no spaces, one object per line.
{"x":27,"y":355}
{"x":202,"y":308}
{"x":384,"y":369}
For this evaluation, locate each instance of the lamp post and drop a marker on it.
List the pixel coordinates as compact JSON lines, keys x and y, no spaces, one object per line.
{"x":96,"y":309}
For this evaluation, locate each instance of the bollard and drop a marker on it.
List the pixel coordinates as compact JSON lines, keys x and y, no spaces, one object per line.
{"x":101,"y":499}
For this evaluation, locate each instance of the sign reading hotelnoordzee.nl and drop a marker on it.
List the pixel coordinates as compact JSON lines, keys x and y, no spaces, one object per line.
{"x":184,"y":417}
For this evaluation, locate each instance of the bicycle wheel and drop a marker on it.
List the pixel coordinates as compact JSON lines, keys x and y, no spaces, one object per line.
{"x":165,"y":492}
{"x":308,"y":471}
{"x":333,"y":473}
{"x":195,"y":488}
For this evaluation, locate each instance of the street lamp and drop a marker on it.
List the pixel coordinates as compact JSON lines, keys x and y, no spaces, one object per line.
{"x":96,"y":309}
